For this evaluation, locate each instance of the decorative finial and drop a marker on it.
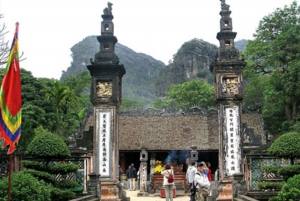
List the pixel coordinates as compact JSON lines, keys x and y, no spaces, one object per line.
{"x":108,"y":9}
{"x":224,"y":6}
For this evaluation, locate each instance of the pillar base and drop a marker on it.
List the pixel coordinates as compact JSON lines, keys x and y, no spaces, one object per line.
{"x":225,"y":190}
{"x":109,"y":191}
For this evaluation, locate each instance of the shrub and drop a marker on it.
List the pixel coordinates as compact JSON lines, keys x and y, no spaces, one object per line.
{"x":61,"y":195}
{"x":271,"y":169}
{"x":41,"y":175}
{"x":64,"y":184}
{"x":269,"y":185}
{"x":25,"y":187}
{"x":286,"y":146}
{"x":290,"y":190}
{"x":63,"y":168}
{"x":34,"y":165}
{"x":289,"y":171}
{"x":48,"y":145}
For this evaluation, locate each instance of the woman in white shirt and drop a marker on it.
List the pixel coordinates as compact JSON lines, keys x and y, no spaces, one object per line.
{"x":168,"y":186}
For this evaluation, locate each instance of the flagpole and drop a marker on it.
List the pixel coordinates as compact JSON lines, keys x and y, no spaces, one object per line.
{"x":9,"y":177}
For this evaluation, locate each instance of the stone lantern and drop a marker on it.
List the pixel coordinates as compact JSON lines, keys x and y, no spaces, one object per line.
{"x":194,"y":154}
{"x":143,"y":155}
{"x":143,"y":173}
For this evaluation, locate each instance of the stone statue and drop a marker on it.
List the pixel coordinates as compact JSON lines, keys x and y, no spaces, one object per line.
{"x":224,"y":6}
{"x":108,"y":9}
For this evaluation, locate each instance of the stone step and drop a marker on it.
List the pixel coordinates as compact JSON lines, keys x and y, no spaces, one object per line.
{"x":246,"y":198}
{"x":237,"y":199}
{"x":85,"y":198}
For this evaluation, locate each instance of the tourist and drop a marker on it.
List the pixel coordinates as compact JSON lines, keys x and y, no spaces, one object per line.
{"x":205,"y":168}
{"x":132,"y":177}
{"x":168,"y":186}
{"x":201,"y":182}
{"x":128,"y":179}
{"x":209,"y":175}
{"x":190,"y":175}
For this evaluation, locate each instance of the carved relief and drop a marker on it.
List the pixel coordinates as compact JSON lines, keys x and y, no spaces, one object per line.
{"x":104,"y":89}
{"x":230,"y":86}
{"x":229,"y":54}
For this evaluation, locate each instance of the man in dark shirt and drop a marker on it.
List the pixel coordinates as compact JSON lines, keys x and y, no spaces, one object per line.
{"x":132,"y":176}
{"x":128,"y":179}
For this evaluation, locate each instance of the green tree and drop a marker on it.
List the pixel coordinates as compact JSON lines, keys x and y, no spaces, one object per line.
{"x":264,"y":53}
{"x":46,"y":147}
{"x":25,"y":187}
{"x":275,"y":51}
{"x":129,"y":104}
{"x":286,"y":146}
{"x":290,"y":190}
{"x":254,"y":98}
{"x":195,"y":92}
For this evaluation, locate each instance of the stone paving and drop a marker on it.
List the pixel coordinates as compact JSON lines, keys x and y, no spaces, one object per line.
{"x":133,"y":197}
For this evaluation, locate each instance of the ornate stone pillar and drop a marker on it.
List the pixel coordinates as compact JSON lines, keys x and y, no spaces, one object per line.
{"x":229,"y":93}
{"x":106,"y":90}
{"x":143,"y":173}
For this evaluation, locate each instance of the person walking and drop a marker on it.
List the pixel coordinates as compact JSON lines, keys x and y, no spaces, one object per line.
{"x":190,"y":175}
{"x":168,"y":186}
{"x":201,"y":182}
{"x":132,"y":176}
{"x":128,"y":179}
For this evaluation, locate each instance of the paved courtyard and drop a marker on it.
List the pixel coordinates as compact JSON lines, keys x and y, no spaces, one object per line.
{"x":133,"y":197}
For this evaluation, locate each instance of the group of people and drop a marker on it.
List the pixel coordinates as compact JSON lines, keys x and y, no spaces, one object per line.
{"x":199,"y":176}
{"x":131,"y":177}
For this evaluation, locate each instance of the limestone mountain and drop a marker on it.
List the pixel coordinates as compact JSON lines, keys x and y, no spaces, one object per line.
{"x":147,"y":78}
{"x":141,"y":69}
{"x":191,"y":61}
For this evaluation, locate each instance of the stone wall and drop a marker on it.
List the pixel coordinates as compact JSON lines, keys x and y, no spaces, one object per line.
{"x":254,"y":121}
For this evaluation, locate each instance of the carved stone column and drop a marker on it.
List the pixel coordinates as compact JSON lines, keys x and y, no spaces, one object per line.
{"x":143,"y":174}
{"x":106,"y":90}
{"x":229,"y":93}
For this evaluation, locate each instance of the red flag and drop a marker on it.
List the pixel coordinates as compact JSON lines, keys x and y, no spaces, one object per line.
{"x":11,"y":98}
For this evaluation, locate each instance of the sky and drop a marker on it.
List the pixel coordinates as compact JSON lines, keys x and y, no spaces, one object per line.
{"x":49,"y":28}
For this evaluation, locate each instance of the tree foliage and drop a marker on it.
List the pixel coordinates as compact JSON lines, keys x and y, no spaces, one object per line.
{"x":275,"y":52}
{"x":4,"y":47}
{"x":286,"y":146}
{"x":290,"y":190}
{"x":25,"y":187}
{"x":195,"y":92}
{"x":265,"y":53}
{"x":254,"y":98}
{"x":47,"y":145}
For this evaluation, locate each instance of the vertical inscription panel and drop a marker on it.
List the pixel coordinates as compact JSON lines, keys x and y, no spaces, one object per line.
{"x":232,"y":140}
{"x":104,"y":134}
